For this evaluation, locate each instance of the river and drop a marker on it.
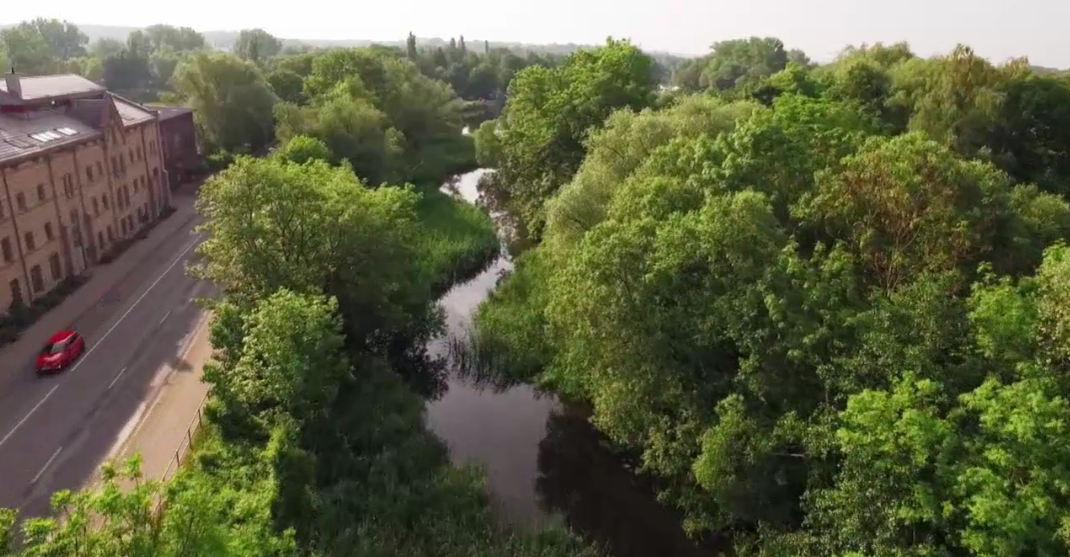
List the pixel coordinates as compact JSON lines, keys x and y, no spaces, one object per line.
{"x":543,"y":460}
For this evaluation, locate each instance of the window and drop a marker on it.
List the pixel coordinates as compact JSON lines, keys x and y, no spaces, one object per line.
{"x":1,"y":211}
{"x":139,"y":153}
{"x":40,"y":192}
{"x":104,"y":200}
{"x":100,"y":239}
{"x":96,"y":208}
{"x":37,"y":279}
{"x":31,"y":244}
{"x":122,"y":164}
{"x":54,"y":266}
{"x":89,"y":173}
{"x":56,"y":347}
{"x":126,"y":195}
{"x":122,"y":226}
{"x":74,"y":219}
{"x":100,"y":169}
{"x":5,"y":250}
{"x":20,"y":200}
{"x":49,"y":234}
{"x":131,"y":156}
{"x":110,"y":235}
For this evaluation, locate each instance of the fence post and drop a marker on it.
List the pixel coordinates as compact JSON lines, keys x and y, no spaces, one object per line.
{"x":189,"y":436}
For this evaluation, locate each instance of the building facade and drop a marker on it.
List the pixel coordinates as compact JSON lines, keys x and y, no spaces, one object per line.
{"x":81,"y":171}
{"x":179,"y":139}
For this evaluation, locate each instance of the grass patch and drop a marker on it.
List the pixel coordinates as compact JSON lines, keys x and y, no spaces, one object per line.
{"x":460,"y":241}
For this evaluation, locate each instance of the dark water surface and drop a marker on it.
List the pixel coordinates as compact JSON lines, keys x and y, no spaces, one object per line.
{"x":543,"y":459}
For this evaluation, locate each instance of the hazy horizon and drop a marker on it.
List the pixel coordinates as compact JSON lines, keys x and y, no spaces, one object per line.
{"x":995,"y":29}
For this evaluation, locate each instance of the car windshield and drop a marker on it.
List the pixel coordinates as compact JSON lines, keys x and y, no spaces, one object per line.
{"x":54,"y":348}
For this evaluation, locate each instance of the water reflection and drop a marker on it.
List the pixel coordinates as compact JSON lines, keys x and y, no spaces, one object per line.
{"x":540,"y":457}
{"x":581,"y":477}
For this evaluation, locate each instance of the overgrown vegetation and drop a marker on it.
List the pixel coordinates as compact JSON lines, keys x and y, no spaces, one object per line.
{"x":825,"y":303}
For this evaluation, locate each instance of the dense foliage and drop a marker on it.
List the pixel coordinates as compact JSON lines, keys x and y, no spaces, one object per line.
{"x":315,"y":442}
{"x":538,"y":143}
{"x":826,"y":304}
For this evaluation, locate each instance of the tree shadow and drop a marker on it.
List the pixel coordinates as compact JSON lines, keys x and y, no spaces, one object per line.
{"x":601,"y":498}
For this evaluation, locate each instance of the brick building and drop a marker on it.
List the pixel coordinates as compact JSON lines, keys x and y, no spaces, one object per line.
{"x":179,"y":140}
{"x":81,"y":170}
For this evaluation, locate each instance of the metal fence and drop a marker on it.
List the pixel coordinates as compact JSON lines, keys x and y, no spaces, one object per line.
{"x":187,"y":442}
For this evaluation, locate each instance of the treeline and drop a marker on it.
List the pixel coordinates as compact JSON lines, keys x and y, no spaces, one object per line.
{"x":825,"y":303}
{"x":145,"y":66}
{"x":315,"y":442}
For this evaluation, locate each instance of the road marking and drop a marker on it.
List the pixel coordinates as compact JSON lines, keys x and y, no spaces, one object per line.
{"x":104,"y":336}
{"x":136,"y":302}
{"x":27,"y":416}
{"x":165,"y":316}
{"x":45,"y":467}
{"x":127,"y":431}
{"x":120,"y":374}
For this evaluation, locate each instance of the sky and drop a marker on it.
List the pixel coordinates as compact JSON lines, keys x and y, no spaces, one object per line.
{"x":996,"y":29}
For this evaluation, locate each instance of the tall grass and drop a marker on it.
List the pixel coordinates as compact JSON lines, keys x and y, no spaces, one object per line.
{"x":460,"y":239}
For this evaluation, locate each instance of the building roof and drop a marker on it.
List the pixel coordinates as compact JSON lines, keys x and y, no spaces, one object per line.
{"x":40,"y":131}
{"x":168,"y":112}
{"x":88,"y":111}
{"x":26,"y":133}
{"x":131,"y":112}
{"x":53,"y":86}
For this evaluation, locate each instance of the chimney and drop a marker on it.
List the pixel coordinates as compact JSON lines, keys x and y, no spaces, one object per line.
{"x":14,"y":85}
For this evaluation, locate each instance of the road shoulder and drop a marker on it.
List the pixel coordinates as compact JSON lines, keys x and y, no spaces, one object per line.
{"x":162,"y":432}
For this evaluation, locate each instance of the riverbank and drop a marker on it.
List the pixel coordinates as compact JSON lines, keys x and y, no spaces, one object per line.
{"x":387,"y":485}
{"x":542,"y":459}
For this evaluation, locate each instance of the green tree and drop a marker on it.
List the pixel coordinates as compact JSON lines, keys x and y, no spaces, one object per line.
{"x":231,"y":101}
{"x":27,"y":50}
{"x":286,"y":85}
{"x":178,"y":39}
{"x":352,"y":129}
{"x":302,"y":149}
{"x":315,"y":220}
{"x":550,"y":113}
{"x":256,"y":45}
{"x":105,"y":47}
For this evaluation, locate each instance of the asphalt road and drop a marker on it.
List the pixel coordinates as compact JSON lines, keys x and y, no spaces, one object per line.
{"x":55,"y":431}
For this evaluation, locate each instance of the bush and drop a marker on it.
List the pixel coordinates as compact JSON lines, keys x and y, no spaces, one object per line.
{"x":219,"y":160}
{"x":21,"y":317}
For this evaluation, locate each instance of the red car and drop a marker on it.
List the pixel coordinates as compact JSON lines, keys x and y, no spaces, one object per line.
{"x":62,"y":349}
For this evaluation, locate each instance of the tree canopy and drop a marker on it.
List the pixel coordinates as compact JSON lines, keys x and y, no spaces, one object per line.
{"x":822,"y":302}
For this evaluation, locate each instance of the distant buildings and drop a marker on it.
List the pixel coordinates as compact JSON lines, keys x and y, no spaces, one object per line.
{"x":81,"y":170}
